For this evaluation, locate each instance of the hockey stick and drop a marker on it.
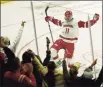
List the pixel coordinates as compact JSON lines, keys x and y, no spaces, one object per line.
{"x":49,"y":23}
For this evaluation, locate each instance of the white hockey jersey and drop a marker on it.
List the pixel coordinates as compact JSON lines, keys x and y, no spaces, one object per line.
{"x":70,"y":31}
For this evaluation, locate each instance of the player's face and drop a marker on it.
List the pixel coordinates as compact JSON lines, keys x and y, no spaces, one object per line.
{"x":67,"y":17}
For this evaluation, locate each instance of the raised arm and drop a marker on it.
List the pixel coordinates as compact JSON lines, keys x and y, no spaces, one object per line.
{"x":18,"y":37}
{"x":65,"y":71}
{"x":88,"y":71}
{"x":48,"y":53}
{"x":83,"y":24}
{"x":53,"y":20}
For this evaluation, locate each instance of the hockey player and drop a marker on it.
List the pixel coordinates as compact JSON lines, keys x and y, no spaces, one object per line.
{"x":69,"y":34}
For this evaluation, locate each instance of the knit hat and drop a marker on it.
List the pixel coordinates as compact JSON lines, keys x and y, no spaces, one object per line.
{"x":77,"y":64}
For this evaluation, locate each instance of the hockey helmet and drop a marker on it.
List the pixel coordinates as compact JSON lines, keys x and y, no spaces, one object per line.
{"x":68,"y":15}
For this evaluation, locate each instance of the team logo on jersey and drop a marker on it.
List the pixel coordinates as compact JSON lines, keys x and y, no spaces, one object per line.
{"x":68,"y":26}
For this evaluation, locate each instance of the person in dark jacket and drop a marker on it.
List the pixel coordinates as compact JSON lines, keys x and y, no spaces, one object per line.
{"x":13,"y":76}
{"x":50,"y":77}
{"x":72,"y":80}
{"x":27,"y":58}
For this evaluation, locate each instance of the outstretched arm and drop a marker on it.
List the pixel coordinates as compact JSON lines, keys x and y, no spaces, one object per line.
{"x":48,"y":53}
{"x":53,"y":20}
{"x":88,"y":71}
{"x":83,"y":24}
{"x":18,"y":37}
